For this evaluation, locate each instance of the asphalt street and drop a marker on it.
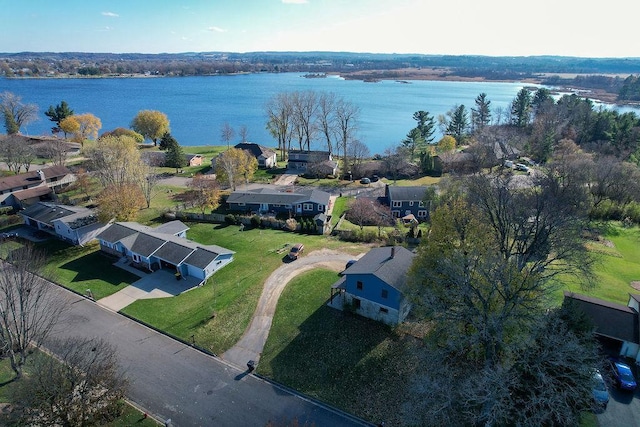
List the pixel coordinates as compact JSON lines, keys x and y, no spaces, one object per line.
{"x":176,"y":382}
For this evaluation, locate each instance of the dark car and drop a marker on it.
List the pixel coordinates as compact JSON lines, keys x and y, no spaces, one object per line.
{"x":622,"y":375}
{"x":296,"y":251}
{"x":600,"y":392}
{"x":365,"y":181}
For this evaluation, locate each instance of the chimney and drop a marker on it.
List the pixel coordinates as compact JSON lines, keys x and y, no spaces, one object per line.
{"x":40,"y":174}
{"x":393,"y":251}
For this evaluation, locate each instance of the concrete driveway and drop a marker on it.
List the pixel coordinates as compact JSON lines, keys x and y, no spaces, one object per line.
{"x":159,"y":284}
{"x":252,"y":342}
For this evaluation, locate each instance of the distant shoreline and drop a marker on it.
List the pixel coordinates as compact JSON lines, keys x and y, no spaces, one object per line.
{"x":405,"y":75}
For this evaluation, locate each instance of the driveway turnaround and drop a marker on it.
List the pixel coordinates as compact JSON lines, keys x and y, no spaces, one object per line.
{"x":252,"y":342}
{"x":176,"y":382}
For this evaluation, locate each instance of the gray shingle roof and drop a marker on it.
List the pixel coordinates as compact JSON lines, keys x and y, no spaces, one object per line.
{"x":116,"y":232}
{"x":398,"y":193}
{"x":610,"y":319}
{"x":267,"y":195}
{"x":173,"y":252}
{"x":172,"y":227}
{"x":255,"y":149}
{"x":389,"y":263}
{"x":201,"y":258}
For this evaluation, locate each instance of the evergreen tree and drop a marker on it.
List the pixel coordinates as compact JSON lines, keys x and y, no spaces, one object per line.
{"x":426,"y":125}
{"x":57,"y":114}
{"x":521,"y":108}
{"x":481,"y":115}
{"x":175,"y":157}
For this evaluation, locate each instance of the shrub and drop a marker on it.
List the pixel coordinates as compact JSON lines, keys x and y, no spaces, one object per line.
{"x":255,"y":221}
{"x":6,"y":210}
{"x":230,"y":219}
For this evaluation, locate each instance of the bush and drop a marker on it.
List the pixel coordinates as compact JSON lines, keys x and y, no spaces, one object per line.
{"x":255,"y":221}
{"x":230,"y":219}
{"x":6,"y":210}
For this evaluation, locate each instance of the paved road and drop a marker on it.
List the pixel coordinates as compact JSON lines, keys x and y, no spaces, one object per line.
{"x":174,"y":381}
{"x":252,"y":342}
{"x":623,"y":409}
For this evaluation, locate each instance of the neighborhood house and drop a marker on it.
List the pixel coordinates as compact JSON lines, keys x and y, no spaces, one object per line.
{"x":266,"y":157}
{"x":405,"y":201}
{"x":25,"y":189}
{"x":617,"y":325}
{"x":74,"y":224}
{"x":164,"y":246}
{"x":307,"y":202}
{"x":374,"y":285}
{"x":318,"y":163}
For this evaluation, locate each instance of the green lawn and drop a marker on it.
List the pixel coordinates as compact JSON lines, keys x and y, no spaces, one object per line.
{"x":356,"y":364}
{"x":217,"y":313}
{"x":617,"y":265}
{"x":81,"y":268}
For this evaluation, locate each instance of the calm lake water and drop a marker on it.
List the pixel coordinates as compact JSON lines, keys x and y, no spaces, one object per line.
{"x":197,"y":107}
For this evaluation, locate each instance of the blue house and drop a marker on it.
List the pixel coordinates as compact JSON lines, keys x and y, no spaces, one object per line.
{"x":405,"y":201}
{"x":164,"y":246}
{"x":310,"y":202}
{"x":374,"y":285}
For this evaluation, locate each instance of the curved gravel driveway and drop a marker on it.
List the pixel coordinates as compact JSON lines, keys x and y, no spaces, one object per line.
{"x":252,"y":342}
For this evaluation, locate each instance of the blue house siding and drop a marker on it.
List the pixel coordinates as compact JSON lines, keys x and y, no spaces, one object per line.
{"x":372,"y":290}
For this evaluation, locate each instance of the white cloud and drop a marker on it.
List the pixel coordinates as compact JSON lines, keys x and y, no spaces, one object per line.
{"x":110,"y":14}
{"x":295,"y":1}
{"x":216,"y":30}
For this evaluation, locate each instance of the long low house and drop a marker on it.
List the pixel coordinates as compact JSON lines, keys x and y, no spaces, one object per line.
{"x":310,"y":202}
{"x":25,"y":189}
{"x":164,"y":246}
{"x":75,"y":224}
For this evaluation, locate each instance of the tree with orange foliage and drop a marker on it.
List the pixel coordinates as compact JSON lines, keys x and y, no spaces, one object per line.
{"x":120,"y":202}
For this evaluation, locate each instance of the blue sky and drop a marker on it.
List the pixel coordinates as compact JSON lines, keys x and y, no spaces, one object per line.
{"x":456,"y":27}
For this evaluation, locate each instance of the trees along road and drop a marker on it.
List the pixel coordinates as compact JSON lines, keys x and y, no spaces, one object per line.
{"x":176,"y":382}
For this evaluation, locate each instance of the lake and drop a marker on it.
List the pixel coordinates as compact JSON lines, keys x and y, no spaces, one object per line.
{"x":198,"y":107}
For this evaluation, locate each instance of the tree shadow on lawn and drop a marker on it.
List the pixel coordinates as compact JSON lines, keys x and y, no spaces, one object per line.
{"x":357,"y":364}
{"x":97,"y":266}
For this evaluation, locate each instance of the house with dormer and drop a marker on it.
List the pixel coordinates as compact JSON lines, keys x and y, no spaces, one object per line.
{"x":374,"y":286}
{"x":163,"y":247}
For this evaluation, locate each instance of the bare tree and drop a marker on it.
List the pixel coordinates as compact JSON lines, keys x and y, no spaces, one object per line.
{"x":16,"y":153}
{"x":326,"y":117}
{"x":56,"y":150}
{"x":280,"y":124}
{"x":347,"y":115}
{"x":82,"y":386}
{"x":148,"y":181}
{"x":305,"y":105}
{"x":243,"y":132}
{"x":226,"y":133}
{"x":28,"y":309}
{"x":393,"y":160}
{"x":16,"y":114}
{"x":357,"y":153}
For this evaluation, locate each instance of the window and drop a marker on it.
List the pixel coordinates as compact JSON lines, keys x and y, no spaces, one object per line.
{"x":395,"y":214}
{"x":241,"y":204}
{"x":384,"y":310}
{"x":422,"y":214}
{"x":359,"y":285}
{"x":320,"y":207}
{"x":307,"y":207}
{"x":411,"y":203}
{"x":397,"y":204}
{"x":421,"y":204}
{"x":385,"y":293}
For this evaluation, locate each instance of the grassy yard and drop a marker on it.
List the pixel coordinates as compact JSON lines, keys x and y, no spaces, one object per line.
{"x":217,"y":314}
{"x":617,"y":265}
{"x":356,"y":364}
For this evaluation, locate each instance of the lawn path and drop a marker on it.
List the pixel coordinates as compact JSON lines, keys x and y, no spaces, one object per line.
{"x":252,"y":342}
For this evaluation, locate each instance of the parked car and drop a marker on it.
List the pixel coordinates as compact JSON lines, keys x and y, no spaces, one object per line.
{"x":296,"y":251}
{"x":508,"y":164}
{"x":374,"y":178}
{"x":600,"y":392}
{"x":622,"y":375}
{"x":365,"y":181}
{"x":522,"y":167}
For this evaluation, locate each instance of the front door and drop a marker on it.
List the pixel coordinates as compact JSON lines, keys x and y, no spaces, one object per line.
{"x":264,"y":207}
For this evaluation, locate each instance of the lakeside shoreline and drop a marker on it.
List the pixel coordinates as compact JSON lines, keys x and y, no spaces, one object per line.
{"x":402,"y":75}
